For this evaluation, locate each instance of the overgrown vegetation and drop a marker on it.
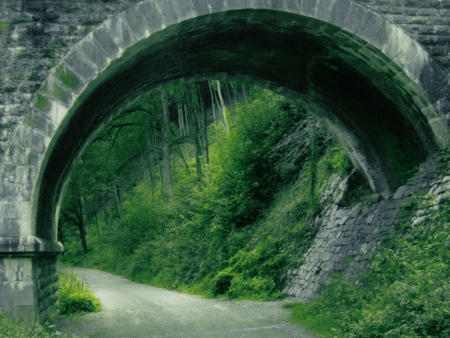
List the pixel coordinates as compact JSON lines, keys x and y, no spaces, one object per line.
{"x":229,"y":212}
{"x":15,"y":329}
{"x":234,"y":214}
{"x":406,"y":291}
{"x":75,"y":296}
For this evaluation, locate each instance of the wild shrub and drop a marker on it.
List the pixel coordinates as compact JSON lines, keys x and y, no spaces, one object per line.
{"x":75,"y":296}
{"x":406,"y":291}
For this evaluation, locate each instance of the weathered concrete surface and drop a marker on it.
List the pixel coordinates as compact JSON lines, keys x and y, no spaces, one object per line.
{"x":376,"y":71}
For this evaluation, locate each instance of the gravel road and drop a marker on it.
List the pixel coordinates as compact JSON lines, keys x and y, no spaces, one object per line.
{"x":135,"y":310}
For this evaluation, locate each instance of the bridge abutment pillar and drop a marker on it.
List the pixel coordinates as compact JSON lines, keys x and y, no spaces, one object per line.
{"x":28,"y":278}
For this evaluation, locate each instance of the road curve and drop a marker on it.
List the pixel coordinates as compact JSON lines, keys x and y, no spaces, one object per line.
{"x":136,"y":310}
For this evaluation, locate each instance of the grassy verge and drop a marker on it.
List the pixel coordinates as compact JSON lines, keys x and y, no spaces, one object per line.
{"x":75,"y":296}
{"x":322,"y":323}
{"x":404,"y":293}
{"x":16,"y":329}
{"x":75,"y":299}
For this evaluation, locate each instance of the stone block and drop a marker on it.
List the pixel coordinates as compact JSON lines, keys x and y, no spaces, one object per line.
{"x":121,"y":31}
{"x":326,"y":9}
{"x":27,"y":314}
{"x":372,"y":198}
{"x":92,"y":52}
{"x":355,"y":17}
{"x":401,"y":192}
{"x":105,"y":40}
{"x":24,"y":293}
{"x":309,"y":8}
{"x":80,"y":65}
{"x":201,"y":7}
{"x":137,"y":24}
{"x":369,"y":26}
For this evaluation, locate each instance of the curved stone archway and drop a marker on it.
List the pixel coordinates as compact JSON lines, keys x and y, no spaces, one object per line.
{"x":356,"y":74}
{"x":375,"y":87}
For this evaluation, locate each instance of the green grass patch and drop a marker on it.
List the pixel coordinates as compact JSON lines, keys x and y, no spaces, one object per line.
{"x":16,"y":329}
{"x":404,"y":293}
{"x":318,"y":322}
{"x":75,"y":296}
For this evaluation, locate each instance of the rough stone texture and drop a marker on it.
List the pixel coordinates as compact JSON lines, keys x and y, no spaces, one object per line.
{"x":348,"y":237}
{"x":428,"y":22}
{"x":34,"y":36}
{"x":377,"y":71}
{"x":17,"y":288}
{"x":47,"y":288}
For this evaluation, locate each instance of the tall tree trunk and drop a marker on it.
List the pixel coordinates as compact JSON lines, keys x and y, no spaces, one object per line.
{"x":213,"y":104}
{"x":244,"y":91}
{"x":83,"y":238}
{"x":223,"y":108}
{"x":235,"y":92}
{"x":148,"y":164}
{"x":188,"y":131}
{"x":97,"y":223}
{"x":198,"y":149}
{"x":165,"y":147}
{"x":204,"y":126}
{"x":81,"y":225}
{"x":180,"y":118}
{"x":105,"y":214}
{"x":83,"y":215}
{"x":116,"y":190}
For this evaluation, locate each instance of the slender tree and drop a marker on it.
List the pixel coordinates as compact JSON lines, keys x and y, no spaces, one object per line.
{"x":166,"y":147}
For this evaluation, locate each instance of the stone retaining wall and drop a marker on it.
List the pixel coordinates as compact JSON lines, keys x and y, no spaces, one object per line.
{"x":349,"y":236}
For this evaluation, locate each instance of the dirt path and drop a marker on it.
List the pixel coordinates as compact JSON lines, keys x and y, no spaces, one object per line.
{"x":135,"y":310}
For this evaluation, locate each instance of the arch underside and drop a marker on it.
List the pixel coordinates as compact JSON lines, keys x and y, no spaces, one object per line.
{"x":361,"y":96}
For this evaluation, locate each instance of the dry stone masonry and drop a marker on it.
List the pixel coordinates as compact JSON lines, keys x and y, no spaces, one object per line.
{"x":376,"y":72}
{"x":350,"y":236}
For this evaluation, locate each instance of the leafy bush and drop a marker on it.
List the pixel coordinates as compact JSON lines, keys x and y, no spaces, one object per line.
{"x":75,"y":296}
{"x":406,"y":291}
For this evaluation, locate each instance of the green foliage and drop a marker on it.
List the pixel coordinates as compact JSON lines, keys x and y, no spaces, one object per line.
{"x":256,"y":274}
{"x":75,"y":296}
{"x":318,"y":322}
{"x":340,"y":162}
{"x":405,"y":293}
{"x":233,"y":233}
{"x":15,"y":329}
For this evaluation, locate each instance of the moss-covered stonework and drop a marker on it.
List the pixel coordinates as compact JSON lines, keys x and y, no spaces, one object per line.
{"x":66,"y":66}
{"x":350,"y":236}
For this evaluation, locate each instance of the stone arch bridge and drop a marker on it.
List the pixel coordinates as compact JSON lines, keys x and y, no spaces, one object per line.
{"x":376,"y":71}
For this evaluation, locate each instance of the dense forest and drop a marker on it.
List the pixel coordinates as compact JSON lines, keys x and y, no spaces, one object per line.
{"x":207,"y":187}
